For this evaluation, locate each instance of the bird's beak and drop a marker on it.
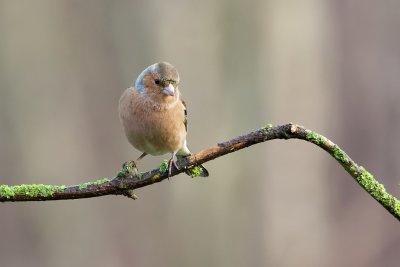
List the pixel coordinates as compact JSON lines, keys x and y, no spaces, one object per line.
{"x":169,"y":90}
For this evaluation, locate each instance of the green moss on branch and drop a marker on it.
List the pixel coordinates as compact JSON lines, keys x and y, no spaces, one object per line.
{"x":126,"y":180}
{"x":32,"y":190}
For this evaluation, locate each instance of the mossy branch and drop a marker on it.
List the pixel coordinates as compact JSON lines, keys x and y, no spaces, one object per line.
{"x":126,"y":181}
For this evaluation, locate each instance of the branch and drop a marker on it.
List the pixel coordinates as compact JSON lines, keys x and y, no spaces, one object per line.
{"x":126,"y":181}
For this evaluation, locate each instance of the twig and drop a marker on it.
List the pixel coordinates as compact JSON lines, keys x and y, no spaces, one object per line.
{"x":126,"y":181}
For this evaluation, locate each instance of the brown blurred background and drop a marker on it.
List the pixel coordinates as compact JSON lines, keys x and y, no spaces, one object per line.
{"x":332,"y":66}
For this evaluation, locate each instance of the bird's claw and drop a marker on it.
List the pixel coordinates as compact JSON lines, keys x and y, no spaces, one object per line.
{"x":172,"y":161}
{"x":129,"y":167}
{"x":134,"y":168}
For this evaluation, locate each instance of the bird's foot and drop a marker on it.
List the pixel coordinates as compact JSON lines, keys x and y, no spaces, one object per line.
{"x":130,"y":166}
{"x":135,"y":169}
{"x":173,"y":161}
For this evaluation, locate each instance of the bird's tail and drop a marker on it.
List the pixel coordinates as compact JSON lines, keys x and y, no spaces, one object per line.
{"x":197,"y":171}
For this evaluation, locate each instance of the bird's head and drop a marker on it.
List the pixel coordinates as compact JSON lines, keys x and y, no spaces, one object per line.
{"x":159,"y":81}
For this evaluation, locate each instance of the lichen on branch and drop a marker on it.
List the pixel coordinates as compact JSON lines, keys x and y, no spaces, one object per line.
{"x":127,"y":180}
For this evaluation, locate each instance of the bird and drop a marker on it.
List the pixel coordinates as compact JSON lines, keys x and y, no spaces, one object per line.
{"x":154,"y":117}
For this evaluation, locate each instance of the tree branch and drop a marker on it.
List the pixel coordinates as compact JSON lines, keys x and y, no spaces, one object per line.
{"x":125,"y":181}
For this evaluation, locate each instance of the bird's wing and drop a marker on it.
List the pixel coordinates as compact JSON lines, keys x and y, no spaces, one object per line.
{"x":185,"y":111}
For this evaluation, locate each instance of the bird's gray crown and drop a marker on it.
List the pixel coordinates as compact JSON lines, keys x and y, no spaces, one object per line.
{"x":164,"y":69}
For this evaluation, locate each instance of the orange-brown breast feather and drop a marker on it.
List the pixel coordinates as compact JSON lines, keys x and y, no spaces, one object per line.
{"x":149,"y":126}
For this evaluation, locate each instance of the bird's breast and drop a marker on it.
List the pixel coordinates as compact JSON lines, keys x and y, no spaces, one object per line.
{"x":150,"y":129}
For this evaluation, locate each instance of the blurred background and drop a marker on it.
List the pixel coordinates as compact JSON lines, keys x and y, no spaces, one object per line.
{"x":332,"y":66}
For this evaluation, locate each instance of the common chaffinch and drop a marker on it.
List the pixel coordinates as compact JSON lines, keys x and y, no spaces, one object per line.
{"x":153,"y":115}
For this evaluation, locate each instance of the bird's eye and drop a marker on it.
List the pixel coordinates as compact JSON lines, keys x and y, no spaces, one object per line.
{"x":157,"y":81}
